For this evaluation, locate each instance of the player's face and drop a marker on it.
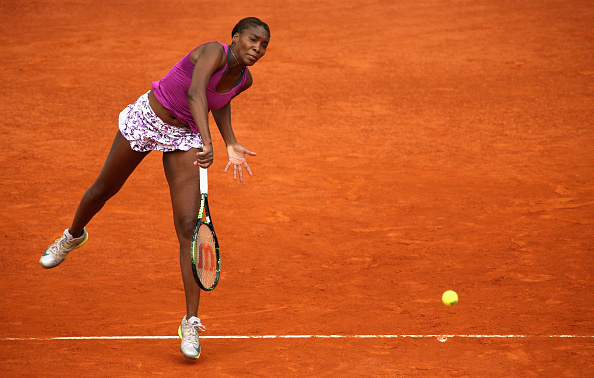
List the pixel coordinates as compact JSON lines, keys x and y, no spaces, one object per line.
{"x":251,"y":43}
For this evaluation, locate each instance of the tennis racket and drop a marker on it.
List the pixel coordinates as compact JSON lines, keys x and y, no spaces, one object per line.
{"x":206,"y":258}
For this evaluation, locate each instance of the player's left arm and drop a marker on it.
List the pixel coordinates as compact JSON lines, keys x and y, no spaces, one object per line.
{"x":235,"y":151}
{"x":222,"y":116}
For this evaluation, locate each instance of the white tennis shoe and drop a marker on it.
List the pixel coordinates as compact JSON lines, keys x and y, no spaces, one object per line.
{"x":57,"y":252}
{"x":188,"y":332}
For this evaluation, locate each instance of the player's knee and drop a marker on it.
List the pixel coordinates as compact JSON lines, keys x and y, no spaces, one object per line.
{"x":99,"y":193}
{"x":184,"y":226}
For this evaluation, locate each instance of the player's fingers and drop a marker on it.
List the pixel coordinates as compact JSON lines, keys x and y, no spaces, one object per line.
{"x":204,"y":153}
{"x":205,"y":158}
{"x":240,"y":173}
{"x":234,"y":172}
{"x":251,"y":153}
{"x":227,"y":167}
{"x":247,"y":168}
{"x":203,"y":165}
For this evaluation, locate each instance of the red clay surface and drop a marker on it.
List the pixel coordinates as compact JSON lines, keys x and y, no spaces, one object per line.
{"x":404,"y":148}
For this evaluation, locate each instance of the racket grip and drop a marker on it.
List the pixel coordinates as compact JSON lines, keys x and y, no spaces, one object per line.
{"x":203,"y":180}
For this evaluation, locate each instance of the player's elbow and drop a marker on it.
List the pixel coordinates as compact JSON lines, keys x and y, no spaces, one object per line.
{"x":196,"y":95}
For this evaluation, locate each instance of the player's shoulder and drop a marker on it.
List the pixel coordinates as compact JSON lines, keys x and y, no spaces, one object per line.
{"x":214,"y":46}
{"x":211,"y":50}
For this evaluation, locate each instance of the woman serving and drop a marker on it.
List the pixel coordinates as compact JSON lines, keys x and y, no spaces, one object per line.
{"x":172,"y":117}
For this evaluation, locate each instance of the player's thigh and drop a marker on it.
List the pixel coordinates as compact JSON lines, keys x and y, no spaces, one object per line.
{"x":121,"y":161}
{"x":183,"y":178}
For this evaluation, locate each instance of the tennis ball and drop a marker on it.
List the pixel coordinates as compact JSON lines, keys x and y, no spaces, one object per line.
{"x":449,"y":298}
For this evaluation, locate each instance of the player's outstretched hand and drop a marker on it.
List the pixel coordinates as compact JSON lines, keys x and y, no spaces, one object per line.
{"x":237,"y":154}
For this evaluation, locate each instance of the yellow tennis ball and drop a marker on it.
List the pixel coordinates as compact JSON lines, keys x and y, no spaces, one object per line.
{"x":449,"y":298}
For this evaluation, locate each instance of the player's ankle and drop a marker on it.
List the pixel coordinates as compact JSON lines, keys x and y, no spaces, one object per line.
{"x":78,"y":235}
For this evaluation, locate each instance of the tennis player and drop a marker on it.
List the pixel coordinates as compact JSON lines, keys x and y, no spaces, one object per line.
{"x":172,"y":117}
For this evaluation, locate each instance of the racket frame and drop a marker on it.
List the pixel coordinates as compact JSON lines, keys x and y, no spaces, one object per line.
{"x":204,"y":213}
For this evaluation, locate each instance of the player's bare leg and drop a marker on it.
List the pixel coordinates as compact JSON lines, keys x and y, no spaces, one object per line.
{"x":184,"y":186}
{"x":119,"y":165}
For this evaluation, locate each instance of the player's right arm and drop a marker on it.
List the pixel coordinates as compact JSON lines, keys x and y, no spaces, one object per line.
{"x":207,"y":59}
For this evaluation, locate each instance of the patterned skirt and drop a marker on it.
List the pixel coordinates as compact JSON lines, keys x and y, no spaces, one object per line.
{"x":147,"y":132}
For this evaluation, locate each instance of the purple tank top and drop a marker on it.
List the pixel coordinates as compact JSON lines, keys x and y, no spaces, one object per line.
{"x":172,"y":90}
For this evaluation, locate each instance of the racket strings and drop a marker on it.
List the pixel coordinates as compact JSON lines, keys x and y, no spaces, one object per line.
{"x":206,"y":264}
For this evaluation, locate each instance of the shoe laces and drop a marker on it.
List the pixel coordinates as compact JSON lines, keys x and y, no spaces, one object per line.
{"x":65,"y":242}
{"x":191,"y":330}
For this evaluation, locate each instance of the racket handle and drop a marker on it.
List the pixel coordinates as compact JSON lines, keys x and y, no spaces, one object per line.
{"x":203,"y":180}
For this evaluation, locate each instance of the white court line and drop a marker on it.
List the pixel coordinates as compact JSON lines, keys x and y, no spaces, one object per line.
{"x":439,"y":337}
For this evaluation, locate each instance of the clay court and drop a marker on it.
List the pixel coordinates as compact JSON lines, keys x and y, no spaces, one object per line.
{"x":404,"y":148}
